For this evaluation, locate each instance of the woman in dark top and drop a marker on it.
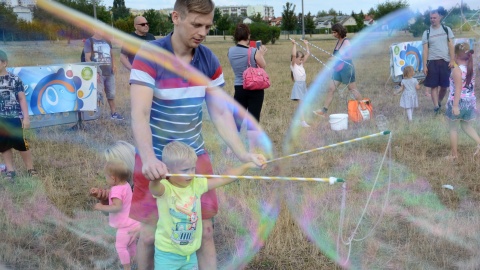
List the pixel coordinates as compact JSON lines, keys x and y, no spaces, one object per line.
{"x":251,"y":100}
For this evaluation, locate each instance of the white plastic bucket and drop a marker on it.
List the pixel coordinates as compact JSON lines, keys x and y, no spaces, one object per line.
{"x":339,"y":121}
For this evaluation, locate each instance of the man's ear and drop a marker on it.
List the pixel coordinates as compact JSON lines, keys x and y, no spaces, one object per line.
{"x":175,"y":17}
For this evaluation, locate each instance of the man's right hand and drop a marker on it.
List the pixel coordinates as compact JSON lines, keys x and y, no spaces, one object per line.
{"x":154,"y":169}
{"x":425,"y":70}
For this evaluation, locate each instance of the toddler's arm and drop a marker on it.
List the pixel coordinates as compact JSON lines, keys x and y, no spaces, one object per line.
{"x":218,"y":182}
{"x":100,"y":194}
{"x":417,"y":86}
{"x":115,"y":207}
{"x":156,"y":188}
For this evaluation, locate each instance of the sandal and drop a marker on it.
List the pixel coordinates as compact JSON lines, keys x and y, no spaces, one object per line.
{"x":10,"y":175}
{"x":32,"y":173}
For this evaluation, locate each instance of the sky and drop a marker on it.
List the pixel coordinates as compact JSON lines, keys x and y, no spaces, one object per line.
{"x":313,"y":6}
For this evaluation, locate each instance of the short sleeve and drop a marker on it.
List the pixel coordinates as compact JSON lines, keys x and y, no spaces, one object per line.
{"x":87,"y":46}
{"x":450,"y":33}
{"x":117,"y":192}
{"x":424,"y":37}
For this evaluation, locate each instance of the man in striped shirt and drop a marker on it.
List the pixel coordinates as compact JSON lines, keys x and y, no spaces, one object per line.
{"x":166,"y":107}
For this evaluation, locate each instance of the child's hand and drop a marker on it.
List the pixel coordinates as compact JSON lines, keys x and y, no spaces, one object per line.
{"x":100,"y":194}
{"x":97,"y":206}
{"x":293,"y":41}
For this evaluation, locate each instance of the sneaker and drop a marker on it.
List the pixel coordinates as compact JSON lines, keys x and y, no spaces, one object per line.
{"x":304,"y":124}
{"x":116,"y":116}
{"x":32,"y":173}
{"x":10,"y":175}
{"x":320,"y":112}
{"x":436,"y":110}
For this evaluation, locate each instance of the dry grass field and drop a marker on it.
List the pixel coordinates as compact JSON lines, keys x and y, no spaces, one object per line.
{"x":395,"y":217}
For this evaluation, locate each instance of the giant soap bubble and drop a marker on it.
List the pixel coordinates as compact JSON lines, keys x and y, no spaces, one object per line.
{"x":393,"y":210}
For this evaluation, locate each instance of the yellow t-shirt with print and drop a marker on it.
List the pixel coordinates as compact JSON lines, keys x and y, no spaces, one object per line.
{"x":179,"y":226}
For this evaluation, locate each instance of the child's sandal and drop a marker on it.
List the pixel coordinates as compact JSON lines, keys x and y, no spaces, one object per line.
{"x":32,"y":173}
{"x":10,"y":175}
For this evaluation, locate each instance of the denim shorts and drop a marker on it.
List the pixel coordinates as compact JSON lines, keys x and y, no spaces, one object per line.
{"x":346,"y":75}
{"x":467,"y":110}
{"x":108,"y":85}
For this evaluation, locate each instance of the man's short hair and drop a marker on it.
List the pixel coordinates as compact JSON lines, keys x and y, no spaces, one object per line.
{"x":183,"y":7}
{"x":3,"y":56}
{"x":175,"y":152}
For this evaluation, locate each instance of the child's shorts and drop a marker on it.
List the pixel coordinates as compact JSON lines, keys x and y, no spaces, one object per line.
{"x":12,"y":135}
{"x":467,"y":110}
{"x":166,"y":260}
{"x":144,"y":206}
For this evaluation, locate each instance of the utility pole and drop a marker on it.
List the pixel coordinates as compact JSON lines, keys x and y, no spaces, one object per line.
{"x":303,"y":22}
{"x":94,"y":9}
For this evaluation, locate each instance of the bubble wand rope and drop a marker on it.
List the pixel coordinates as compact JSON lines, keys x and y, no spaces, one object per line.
{"x":338,"y":58}
{"x":330,"y":180}
{"x":311,"y":54}
{"x":386,"y":132}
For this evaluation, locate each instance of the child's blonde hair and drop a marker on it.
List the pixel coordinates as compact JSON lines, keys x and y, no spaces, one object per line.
{"x":463,"y":52}
{"x":124,"y":151}
{"x":176,"y":152}
{"x":408,"y":72}
{"x":119,"y":169}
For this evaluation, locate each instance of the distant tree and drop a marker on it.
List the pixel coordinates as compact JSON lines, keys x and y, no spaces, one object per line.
{"x":289,"y":20}
{"x":8,"y":21}
{"x":371,"y":12}
{"x":257,"y":18}
{"x":309,"y":24}
{"x":119,"y":10}
{"x":388,"y":7}
{"x":332,"y":12}
{"x":166,"y":24}
{"x":223,"y":24}
{"x":216,"y":15}
{"x":419,"y":26}
{"x":322,"y":13}
{"x":153,"y":18}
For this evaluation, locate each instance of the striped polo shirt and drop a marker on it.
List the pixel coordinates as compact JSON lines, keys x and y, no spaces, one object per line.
{"x":176,"y":113}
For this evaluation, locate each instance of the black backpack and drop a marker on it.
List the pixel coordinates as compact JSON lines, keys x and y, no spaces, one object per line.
{"x":82,"y":56}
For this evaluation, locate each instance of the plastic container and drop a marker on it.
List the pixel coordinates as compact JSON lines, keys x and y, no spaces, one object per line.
{"x":339,"y":121}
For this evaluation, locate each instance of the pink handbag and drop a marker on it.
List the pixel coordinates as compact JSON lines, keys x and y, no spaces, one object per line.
{"x":255,"y":78}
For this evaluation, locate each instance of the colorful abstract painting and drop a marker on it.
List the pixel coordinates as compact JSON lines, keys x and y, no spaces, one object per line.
{"x":59,"y":88}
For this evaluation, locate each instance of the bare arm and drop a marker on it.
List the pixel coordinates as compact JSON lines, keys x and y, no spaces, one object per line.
{"x":125,"y":62}
{"x":451,"y":52}
{"x":308,"y":51}
{"x":141,"y":103}
{"x":115,"y":207}
{"x":222,"y":118}
{"x":218,"y":182}
{"x":23,"y":105}
{"x":457,"y":80}
{"x":424,"y":58}
{"x":156,"y":188}
{"x":259,"y":57}
{"x":294,"y":52}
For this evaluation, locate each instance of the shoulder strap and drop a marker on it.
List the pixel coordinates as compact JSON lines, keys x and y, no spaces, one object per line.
{"x":249,"y":54}
{"x":446,"y":31}
{"x":428,"y":37}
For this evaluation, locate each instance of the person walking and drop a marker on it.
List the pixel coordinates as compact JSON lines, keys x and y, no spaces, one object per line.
{"x":438,"y":58}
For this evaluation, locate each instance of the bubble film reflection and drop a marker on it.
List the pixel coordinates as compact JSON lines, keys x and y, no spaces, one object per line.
{"x":396,"y":214}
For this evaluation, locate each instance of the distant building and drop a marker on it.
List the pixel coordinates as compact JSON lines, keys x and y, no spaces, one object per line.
{"x":328,"y":21}
{"x":368,"y":20}
{"x":240,"y":10}
{"x":23,"y":13}
{"x":22,"y":8}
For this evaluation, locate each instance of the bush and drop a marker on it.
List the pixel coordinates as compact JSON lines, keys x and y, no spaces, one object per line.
{"x":264,"y":32}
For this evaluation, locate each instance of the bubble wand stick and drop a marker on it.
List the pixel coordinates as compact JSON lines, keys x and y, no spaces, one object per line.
{"x":331,"y":145}
{"x":330,"y":180}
